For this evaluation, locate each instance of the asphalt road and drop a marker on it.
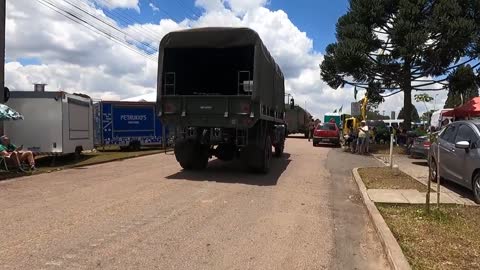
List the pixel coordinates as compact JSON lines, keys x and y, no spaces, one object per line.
{"x":146,"y":213}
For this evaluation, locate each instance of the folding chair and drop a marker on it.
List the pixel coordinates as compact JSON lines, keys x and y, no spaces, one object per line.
{"x":3,"y":163}
{"x":23,"y":167}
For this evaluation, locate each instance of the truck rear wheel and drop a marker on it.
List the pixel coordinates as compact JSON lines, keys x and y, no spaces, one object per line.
{"x":225,"y":152}
{"x":183,"y":153}
{"x":192,"y":155}
{"x":265,"y":168}
{"x":200,"y":158}
{"x":279,"y":149}
{"x":258,"y":157}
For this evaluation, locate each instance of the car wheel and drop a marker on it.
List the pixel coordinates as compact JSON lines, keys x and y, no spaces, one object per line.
{"x":476,"y":188}
{"x":433,"y":170}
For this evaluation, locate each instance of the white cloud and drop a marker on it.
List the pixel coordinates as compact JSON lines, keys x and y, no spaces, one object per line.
{"x":74,"y":59}
{"x":153,"y":7}
{"x":113,"y":4}
{"x":242,"y":6}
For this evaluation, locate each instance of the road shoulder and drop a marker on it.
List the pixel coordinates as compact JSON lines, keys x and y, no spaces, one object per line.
{"x":395,"y":256}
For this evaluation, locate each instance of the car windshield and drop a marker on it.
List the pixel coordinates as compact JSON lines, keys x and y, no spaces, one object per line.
{"x":326,"y":127}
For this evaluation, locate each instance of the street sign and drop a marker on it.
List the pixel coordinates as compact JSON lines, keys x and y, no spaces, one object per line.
{"x":355,"y":109}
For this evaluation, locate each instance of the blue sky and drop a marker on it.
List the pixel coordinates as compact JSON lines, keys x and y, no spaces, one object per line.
{"x":315,"y":17}
{"x":70,"y":57}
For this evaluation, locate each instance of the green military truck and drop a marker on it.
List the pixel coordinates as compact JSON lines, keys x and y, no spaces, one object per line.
{"x":298,"y":120}
{"x":224,"y":93}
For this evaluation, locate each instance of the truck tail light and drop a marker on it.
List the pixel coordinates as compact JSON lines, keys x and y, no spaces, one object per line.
{"x":245,"y":107}
{"x":169,"y":108}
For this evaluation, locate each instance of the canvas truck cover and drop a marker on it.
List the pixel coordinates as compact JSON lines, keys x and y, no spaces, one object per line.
{"x":268,"y":80}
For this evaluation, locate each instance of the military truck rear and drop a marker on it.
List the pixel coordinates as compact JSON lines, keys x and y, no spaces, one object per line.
{"x":297,"y":120}
{"x":225,"y":94}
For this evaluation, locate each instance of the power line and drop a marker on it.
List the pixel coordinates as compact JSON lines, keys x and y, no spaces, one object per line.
{"x":182,"y":5}
{"x":73,"y":17}
{"x":125,"y":18}
{"x":159,"y":6}
{"x":112,"y":27}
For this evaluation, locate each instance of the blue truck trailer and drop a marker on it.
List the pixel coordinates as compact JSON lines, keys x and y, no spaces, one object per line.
{"x":127,"y":124}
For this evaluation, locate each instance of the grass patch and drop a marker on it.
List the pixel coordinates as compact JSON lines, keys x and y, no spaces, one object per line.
{"x":45,"y":165}
{"x":383,"y":178}
{"x":384,"y":149}
{"x":446,"y":239}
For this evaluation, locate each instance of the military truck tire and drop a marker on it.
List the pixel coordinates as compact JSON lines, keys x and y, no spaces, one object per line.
{"x":279,"y":149}
{"x":267,"y":156}
{"x":226,"y":152}
{"x":256,"y":157}
{"x":200,"y":158}
{"x":184,"y":153}
{"x":186,"y":165}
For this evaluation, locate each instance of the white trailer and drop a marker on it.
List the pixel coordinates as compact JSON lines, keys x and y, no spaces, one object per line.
{"x":56,"y":123}
{"x":438,"y":117}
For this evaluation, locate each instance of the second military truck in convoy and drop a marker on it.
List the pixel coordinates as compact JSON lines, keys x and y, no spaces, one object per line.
{"x":224,"y":92}
{"x":298,"y":120}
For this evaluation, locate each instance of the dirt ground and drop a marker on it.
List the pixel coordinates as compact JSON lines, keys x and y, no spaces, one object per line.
{"x":147,"y":213}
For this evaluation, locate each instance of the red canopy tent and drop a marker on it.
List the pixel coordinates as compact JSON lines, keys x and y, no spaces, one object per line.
{"x":467,"y":110}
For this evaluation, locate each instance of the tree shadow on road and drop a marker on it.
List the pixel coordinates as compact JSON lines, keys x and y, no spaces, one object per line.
{"x":235,"y":173}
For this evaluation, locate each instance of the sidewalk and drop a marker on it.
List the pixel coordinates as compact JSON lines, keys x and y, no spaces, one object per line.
{"x":418,"y":169}
{"x":408,"y":196}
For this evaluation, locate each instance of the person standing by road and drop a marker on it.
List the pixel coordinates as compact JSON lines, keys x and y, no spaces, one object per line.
{"x":363,"y":137}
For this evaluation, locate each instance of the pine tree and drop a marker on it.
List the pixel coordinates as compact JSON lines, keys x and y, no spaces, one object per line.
{"x":392,"y":46}
{"x":414,"y":117}
{"x":463,"y":86}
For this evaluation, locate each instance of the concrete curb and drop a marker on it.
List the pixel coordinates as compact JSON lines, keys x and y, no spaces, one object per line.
{"x":395,"y":256}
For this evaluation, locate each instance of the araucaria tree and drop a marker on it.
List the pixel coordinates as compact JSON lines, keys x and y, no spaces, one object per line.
{"x":392,"y":46}
{"x":463,"y":85}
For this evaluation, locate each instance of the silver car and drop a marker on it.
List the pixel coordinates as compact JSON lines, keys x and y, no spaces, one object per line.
{"x":459,"y":146}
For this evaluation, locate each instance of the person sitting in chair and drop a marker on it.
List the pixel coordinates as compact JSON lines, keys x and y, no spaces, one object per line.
{"x":17,"y":152}
{"x":10,"y":157}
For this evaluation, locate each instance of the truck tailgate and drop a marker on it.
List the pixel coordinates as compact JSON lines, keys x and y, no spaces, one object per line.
{"x":211,"y":110}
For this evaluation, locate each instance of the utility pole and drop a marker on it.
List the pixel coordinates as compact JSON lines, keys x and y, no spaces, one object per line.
{"x":3,"y":4}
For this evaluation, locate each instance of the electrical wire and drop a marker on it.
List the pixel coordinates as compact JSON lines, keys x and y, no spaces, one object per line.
{"x":106,"y":27}
{"x":75,"y":18}
{"x":128,"y":20}
{"x":143,"y":44}
{"x":182,"y":5}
